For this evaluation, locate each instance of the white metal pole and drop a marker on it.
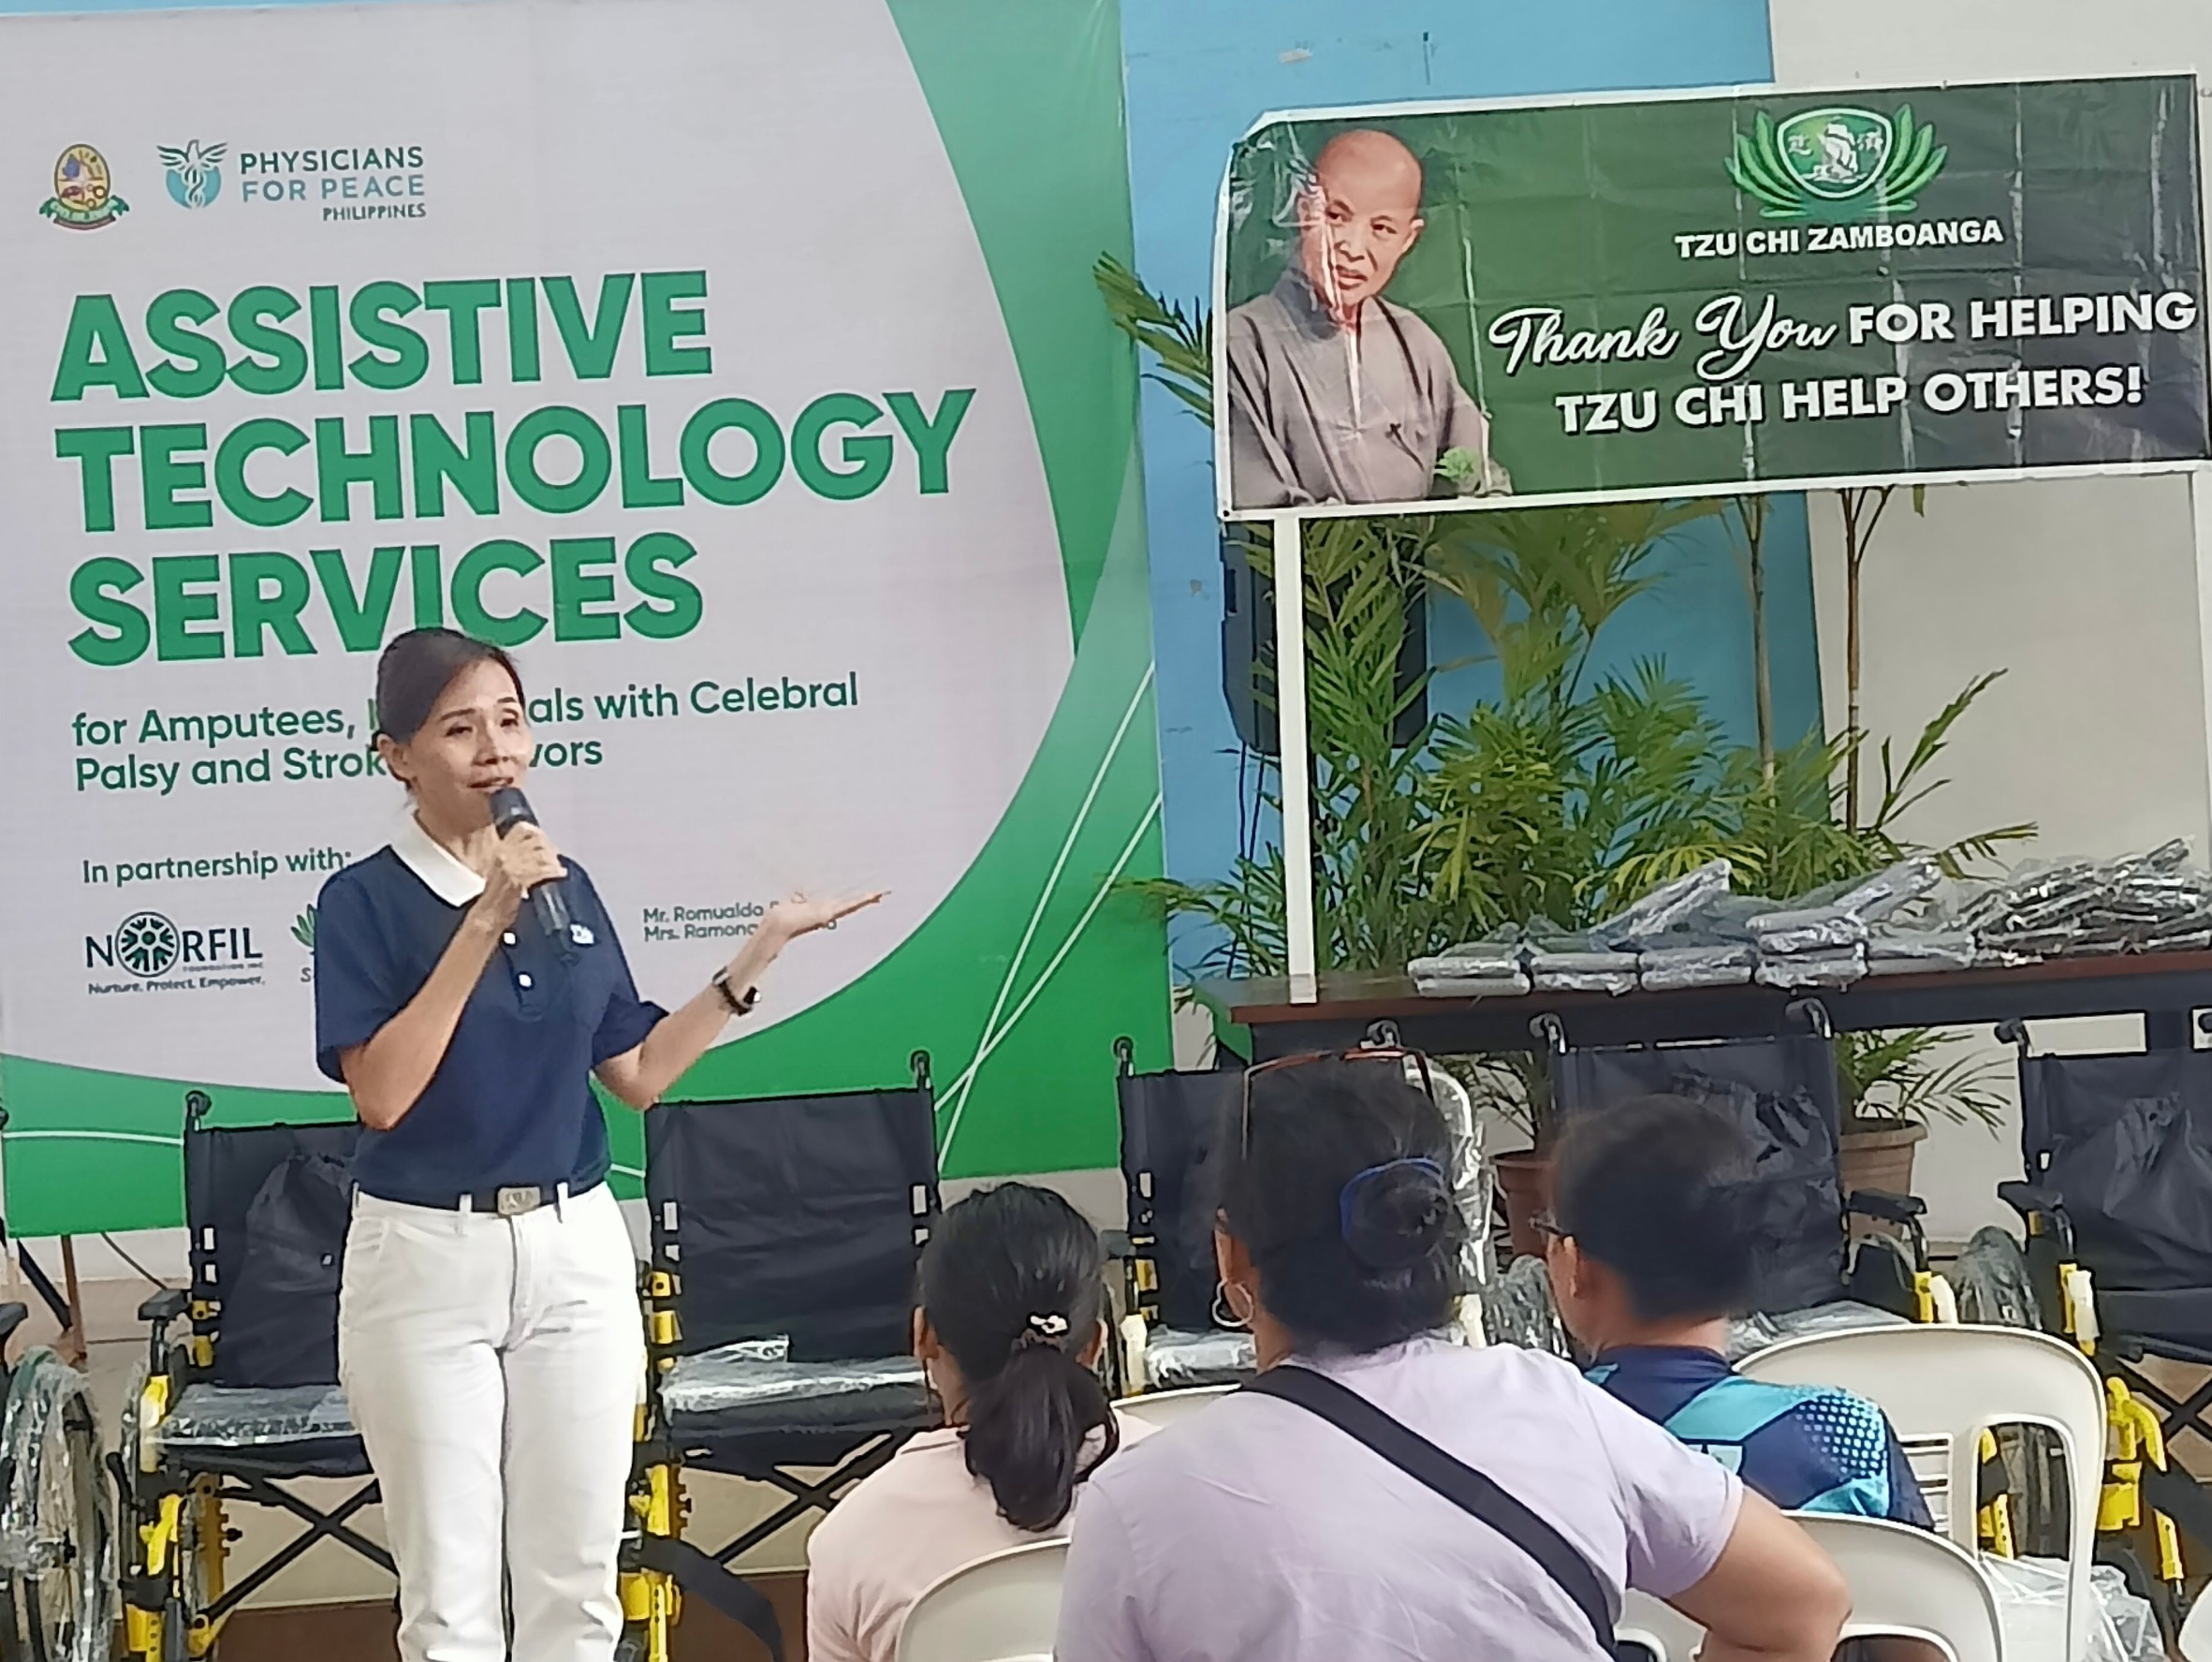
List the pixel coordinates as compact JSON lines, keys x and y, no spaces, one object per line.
{"x":1297,"y":791}
{"x":2200,"y":504}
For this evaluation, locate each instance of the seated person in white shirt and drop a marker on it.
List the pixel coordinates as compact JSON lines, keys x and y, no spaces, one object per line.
{"x":1010,"y":1324}
{"x":1258,"y":1531}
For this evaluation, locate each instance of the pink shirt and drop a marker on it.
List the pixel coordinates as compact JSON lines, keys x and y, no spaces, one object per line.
{"x":896,"y":1535}
{"x":1258,"y":1532}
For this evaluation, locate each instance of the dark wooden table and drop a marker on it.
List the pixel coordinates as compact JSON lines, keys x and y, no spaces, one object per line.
{"x":2164,"y":987}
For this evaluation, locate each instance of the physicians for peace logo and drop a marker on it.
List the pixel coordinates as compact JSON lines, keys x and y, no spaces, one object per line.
{"x":84,"y":195}
{"x":1837,"y":162}
{"x":193,"y":172}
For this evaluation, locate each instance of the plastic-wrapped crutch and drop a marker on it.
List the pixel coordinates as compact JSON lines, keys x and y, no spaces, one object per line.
{"x":1665,"y":969}
{"x":1583,"y":972}
{"x":1474,"y":969}
{"x":1806,"y":929}
{"x":57,"y":1518}
{"x":1891,"y":950}
{"x":1813,"y":969}
{"x":1509,"y":985}
{"x":1890,"y":890}
{"x":1842,"y":920}
{"x":1670,"y":906}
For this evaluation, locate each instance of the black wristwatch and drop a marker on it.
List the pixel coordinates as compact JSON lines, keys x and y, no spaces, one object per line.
{"x":738,"y":1007}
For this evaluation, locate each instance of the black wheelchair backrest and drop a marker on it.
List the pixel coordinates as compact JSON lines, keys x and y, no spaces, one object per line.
{"x":224,"y":1167}
{"x":1785,"y":1094}
{"x":2125,"y":1141}
{"x":800,"y":1216}
{"x":1171,"y":1123}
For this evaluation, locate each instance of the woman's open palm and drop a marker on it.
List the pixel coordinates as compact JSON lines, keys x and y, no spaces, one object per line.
{"x":804,"y":914}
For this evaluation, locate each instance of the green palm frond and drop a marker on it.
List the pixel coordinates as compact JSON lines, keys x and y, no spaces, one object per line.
{"x":1180,"y":340}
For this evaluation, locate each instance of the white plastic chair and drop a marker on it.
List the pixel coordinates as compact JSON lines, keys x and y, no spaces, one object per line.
{"x":1001,"y":1609}
{"x":2196,"y":1633}
{"x":1165,"y":1407}
{"x":1904,"y":1582}
{"x":1950,"y":1384}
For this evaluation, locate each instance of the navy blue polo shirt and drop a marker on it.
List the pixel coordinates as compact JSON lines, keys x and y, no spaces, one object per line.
{"x":511,"y":1104}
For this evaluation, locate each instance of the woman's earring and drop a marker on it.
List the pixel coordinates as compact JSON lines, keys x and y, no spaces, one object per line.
{"x":1225,"y":1309}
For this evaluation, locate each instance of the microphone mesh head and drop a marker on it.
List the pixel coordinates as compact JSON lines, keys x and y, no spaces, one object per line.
{"x":510,"y":808}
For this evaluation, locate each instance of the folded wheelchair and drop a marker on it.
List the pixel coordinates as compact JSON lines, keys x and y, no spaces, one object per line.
{"x":57,"y":1520}
{"x":1826,"y":1269}
{"x":2116,"y":1207}
{"x":203,"y":1433}
{"x":786,"y":1241}
{"x":1173,"y":1333}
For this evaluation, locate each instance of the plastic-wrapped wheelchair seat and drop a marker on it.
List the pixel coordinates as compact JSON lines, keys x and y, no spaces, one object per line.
{"x":1176,"y":1359}
{"x":753,"y":1386}
{"x":209,"y":1416}
{"x":1749,"y":1334}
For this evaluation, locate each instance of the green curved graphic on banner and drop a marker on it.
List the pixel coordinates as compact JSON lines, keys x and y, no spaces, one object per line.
{"x":1021,"y":979}
{"x":977,"y":64}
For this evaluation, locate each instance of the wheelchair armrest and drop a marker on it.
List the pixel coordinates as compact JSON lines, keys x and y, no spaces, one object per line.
{"x":1117,"y":1244}
{"x":165,"y":1306}
{"x":11,"y":1318}
{"x":2031,"y":1199}
{"x":1890,"y":1208}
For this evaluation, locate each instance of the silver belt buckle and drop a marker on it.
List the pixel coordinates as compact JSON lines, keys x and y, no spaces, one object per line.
{"x":515,"y":1202}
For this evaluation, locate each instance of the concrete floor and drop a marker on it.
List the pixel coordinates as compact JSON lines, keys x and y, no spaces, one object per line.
{"x":336,"y":1606}
{"x":346,"y":1602}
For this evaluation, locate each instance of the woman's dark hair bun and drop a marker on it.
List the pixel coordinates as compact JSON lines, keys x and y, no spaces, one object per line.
{"x":1341,"y":1195}
{"x":1398,"y":1214}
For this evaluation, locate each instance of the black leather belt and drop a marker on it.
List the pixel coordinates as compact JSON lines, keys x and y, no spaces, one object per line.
{"x":515,"y":1200}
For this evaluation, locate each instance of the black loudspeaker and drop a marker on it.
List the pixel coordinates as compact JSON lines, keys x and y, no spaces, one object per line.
{"x":1248,"y":650}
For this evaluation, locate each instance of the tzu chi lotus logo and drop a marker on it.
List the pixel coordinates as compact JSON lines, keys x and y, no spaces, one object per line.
{"x":1837,"y":162}
{"x":84,"y":195}
{"x":193,"y":172}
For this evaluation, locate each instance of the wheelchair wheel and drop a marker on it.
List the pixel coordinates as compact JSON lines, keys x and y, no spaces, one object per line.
{"x":57,"y":1522}
{"x":2123,"y":1556}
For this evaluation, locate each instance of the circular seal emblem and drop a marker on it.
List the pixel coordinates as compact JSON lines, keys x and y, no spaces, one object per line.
{"x":147,"y":944}
{"x":84,"y":195}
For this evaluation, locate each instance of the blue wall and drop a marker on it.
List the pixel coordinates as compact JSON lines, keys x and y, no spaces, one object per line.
{"x":1199,"y":72}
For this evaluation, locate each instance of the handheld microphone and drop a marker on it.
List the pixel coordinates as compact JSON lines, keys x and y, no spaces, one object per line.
{"x":510,"y":808}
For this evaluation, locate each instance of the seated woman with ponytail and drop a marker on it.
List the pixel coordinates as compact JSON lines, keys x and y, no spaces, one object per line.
{"x":1660,"y":1225}
{"x":1009,"y":1324}
{"x":1381,"y":1492}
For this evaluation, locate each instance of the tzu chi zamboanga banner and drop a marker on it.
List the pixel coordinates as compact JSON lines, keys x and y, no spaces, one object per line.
{"x":1499,"y":305}
{"x":737,"y":368}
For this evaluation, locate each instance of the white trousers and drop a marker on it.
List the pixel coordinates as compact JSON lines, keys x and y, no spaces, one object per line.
{"x":494,"y":1366}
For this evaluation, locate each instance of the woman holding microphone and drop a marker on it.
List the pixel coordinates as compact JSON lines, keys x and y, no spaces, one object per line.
{"x":490,"y":1338}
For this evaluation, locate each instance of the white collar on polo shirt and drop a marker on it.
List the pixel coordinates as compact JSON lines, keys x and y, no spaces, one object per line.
{"x":430,"y":861}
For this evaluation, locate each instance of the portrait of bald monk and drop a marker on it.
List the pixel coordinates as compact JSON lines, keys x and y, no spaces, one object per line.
{"x":1336,"y":394}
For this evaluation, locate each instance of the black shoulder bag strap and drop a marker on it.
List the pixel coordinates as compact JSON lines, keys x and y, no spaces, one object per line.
{"x":1457,"y":1481}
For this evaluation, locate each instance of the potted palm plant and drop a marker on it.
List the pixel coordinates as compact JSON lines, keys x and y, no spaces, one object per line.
{"x":1570,"y":793}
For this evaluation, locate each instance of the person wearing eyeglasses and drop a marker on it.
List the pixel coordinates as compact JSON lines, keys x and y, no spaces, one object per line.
{"x":1381,"y":1492}
{"x":1658,"y":1229}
